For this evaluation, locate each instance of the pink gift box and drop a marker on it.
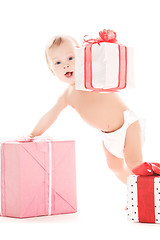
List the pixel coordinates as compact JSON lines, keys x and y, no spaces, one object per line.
{"x":37,"y":178}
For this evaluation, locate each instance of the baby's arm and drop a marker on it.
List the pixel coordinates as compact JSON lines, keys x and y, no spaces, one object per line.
{"x":50,"y":117}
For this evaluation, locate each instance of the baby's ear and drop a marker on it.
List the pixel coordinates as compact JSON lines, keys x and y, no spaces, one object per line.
{"x":51,"y":70}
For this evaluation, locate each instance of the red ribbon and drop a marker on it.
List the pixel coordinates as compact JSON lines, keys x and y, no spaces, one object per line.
{"x":105,"y":36}
{"x":147,"y":169}
{"x":145,"y":190}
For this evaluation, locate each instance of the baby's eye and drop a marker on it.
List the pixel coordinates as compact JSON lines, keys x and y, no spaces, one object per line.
{"x":57,"y":63}
{"x":70,"y":58}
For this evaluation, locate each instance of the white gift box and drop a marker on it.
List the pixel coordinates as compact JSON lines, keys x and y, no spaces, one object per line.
{"x":105,"y":66}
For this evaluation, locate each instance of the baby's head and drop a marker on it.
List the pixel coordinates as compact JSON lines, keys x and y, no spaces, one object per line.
{"x":60,"y":56}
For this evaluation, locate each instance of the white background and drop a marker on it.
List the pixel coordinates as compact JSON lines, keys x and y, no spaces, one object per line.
{"x":28,"y":90}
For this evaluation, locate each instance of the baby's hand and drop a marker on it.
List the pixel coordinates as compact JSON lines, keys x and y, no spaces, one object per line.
{"x":25,"y":138}
{"x":30,"y":136}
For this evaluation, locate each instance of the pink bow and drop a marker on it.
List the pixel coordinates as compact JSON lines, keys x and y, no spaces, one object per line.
{"x":27,"y":138}
{"x":147,"y":169}
{"x":105,"y":36}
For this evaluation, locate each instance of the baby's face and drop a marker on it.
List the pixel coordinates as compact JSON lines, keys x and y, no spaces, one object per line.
{"x":62,"y":59}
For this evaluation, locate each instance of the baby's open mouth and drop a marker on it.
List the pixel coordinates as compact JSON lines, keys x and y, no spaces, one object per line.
{"x":68,"y":74}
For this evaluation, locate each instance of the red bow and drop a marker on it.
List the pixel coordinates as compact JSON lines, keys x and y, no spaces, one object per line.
{"x":105,"y":36}
{"x":147,"y":169}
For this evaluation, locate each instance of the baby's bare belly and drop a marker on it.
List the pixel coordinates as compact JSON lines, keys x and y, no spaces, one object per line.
{"x":109,"y":120}
{"x":102,"y":111}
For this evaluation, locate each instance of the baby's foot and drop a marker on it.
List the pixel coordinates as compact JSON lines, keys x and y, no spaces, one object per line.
{"x":126,"y":208}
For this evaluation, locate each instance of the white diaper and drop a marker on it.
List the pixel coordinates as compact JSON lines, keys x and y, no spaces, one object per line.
{"x":114,"y":141}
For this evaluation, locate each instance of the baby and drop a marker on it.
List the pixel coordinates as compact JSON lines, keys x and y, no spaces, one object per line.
{"x":120,"y":128}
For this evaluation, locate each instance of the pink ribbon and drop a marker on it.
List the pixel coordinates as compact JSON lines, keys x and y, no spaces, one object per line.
{"x":27,"y":138}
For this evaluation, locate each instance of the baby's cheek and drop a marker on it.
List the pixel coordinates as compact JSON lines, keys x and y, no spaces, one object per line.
{"x":62,"y":77}
{"x":73,"y":65}
{"x":58,"y":73}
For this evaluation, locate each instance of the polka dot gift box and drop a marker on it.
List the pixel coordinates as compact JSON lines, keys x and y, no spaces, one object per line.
{"x":143,"y":194}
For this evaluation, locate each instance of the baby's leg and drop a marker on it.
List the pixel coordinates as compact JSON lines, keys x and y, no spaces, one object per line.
{"x":117,"y":165}
{"x":133,"y":145}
